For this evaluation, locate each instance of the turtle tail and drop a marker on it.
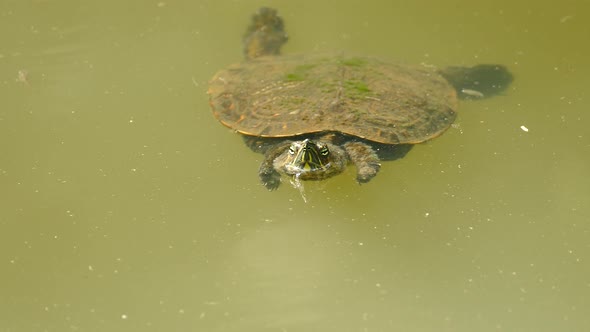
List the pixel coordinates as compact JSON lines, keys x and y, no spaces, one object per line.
{"x":481,"y":81}
{"x":265,"y":35}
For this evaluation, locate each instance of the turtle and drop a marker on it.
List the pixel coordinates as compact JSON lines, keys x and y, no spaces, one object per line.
{"x":313,"y":114}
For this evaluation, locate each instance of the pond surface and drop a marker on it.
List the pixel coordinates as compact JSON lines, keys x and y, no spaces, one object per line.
{"x":127,"y":207}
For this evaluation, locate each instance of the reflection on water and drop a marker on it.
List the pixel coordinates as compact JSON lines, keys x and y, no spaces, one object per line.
{"x":127,"y":207}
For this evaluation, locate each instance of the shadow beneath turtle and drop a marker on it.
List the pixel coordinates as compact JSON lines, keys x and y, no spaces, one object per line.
{"x":477,"y":82}
{"x":385,"y":152}
{"x":389,"y":152}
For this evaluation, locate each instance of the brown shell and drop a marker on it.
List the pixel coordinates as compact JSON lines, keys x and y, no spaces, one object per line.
{"x":365,"y":97}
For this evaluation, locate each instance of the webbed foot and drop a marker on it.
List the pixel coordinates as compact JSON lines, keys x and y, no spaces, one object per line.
{"x":365,"y":159}
{"x":270,"y":179}
{"x":367,"y":171}
{"x":269,"y":176}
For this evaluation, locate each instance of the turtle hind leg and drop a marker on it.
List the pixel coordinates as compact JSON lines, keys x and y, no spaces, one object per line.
{"x":365,"y":159}
{"x":477,"y":82}
{"x":265,"y":35}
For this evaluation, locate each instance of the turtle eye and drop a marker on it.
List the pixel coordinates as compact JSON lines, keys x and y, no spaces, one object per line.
{"x":324,"y":151}
{"x":291,"y":150}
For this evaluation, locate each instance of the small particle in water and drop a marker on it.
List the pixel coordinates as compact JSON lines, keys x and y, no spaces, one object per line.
{"x":525,"y":129}
{"x":472,"y":93}
{"x":123,"y":316}
{"x":23,"y":76}
{"x":565,"y":18}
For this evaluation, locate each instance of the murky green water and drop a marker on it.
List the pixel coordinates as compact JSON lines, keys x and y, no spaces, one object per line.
{"x":125,"y":206}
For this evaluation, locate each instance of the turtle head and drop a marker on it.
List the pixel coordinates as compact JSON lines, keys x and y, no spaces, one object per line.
{"x":311,"y":160}
{"x":308,"y":156}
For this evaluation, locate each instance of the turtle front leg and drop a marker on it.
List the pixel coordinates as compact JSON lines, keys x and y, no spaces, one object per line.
{"x":269,"y":176}
{"x":365,"y":159}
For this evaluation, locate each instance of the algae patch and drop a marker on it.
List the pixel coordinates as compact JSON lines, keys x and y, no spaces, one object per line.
{"x":300,"y":73}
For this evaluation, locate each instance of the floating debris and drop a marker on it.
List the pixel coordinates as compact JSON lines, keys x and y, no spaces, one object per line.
{"x":472,"y":93}
{"x":525,"y":129}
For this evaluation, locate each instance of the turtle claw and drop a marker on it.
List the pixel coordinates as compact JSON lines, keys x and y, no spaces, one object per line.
{"x":270,"y":180}
{"x":365,"y":159}
{"x":367,"y":171}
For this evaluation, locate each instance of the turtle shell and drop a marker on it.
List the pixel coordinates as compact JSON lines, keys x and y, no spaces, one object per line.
{"x":281,"y":96}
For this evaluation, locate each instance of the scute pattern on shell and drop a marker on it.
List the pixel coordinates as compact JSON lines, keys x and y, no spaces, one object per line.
{"x":365,"y":97}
